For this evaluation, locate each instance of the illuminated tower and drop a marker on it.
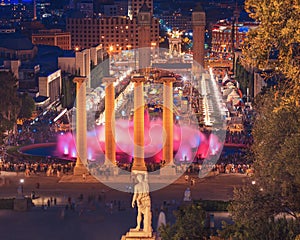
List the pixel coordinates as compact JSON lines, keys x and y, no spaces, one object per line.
{"x":198,"y":22}
{"x":144,"y":31}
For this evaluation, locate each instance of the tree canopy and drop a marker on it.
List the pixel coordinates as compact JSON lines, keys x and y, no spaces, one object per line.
{"x":189,"y":224}
{"x":27,"y":106}
{"x":275,"y":43}
{"x":10,"y":102}
{"x":275,"y":188}
{"x":268,"y":206}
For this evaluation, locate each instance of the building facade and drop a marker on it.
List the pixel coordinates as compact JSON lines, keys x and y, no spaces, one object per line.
{"x":15,"y":46}
{"x":177,"y":21}
{"x":79,"y":63}
{"x":114,"y":33}
{"x":134,"y":7}
{"x":224,"y":42}
{"x":52,"y":37}
{"x":50,"y":85}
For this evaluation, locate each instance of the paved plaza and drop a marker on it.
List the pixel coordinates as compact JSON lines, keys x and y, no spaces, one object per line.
{"x":100,"y":212}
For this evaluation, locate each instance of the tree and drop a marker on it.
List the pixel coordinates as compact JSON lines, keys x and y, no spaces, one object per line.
{"x":275,"y":187}
{"x":27,"y":106}
{"x":68,"y":91}
{"x":275,"y":43}
{"x":10,"y":103}
{"x":189,"y":224}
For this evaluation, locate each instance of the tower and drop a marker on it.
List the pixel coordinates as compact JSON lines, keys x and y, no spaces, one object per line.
{"x":34,"y":10}
{"x":134,"y":7}
{"x":198,"y":22}
{"x":234,"y":35}
{"x":144,"y":31}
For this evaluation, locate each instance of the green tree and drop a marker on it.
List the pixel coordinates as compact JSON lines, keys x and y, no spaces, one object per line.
{"x":275,"y":187}
{"x":189,"y":224}
{"x":278,"y":32}
{"x":68,"y":91}
{"x":27,"y":106}
{"x":10,"y":103}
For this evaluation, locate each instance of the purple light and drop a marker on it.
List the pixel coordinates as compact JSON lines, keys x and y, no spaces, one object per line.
{"x":187,"y":141}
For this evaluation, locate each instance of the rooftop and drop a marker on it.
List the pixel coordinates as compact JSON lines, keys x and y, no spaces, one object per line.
{"x":15,"y":41}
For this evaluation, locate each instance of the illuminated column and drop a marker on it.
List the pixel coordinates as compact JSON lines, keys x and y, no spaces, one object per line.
{"x":81,"y":126}
{"x":138,"y":124}
{"x":168,"y":119}
{"x":110,"y":144}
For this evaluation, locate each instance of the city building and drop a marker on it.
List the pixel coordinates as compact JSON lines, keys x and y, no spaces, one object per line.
{"x":114,"y":33}
{"x":86,"y":7}
{"x":28,"y":73}
{"x":15,"y":13}
{"x":43,"y":9}
{"x":222,"y":37}
{"x":134,"y":7}
{"x":50,"y":85}
{"x":53,"y":37}
{"x":14,"y":45}
{"x":177,"y":21}
{"x":79,"y":62}
{"x":119,"y":8}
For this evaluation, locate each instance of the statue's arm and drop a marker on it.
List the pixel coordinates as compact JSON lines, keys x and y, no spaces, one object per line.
{"x":134,"y":198}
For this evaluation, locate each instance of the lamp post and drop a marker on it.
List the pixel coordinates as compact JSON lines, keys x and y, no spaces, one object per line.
{"x":21,"y":189}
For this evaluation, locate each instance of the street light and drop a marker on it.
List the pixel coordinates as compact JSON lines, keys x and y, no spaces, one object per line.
{"x":20,"y":188}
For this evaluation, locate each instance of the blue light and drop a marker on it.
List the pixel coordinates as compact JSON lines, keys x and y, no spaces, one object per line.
{"x":244,"y":29}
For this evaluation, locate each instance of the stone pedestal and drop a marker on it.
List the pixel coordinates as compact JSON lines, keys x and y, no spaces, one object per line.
{"x":81,"y":125}
{"x":139,"y":235}
{"x":138,"y":124}
{"x":79,"y":168}
{"x":110,"y":144}
{"x":168,"y":170}
{"x":20,"y":204}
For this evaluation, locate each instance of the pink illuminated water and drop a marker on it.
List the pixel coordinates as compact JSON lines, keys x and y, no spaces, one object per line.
{"x":188,"y":142}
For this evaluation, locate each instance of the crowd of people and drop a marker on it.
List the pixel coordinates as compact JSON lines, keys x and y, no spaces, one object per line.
{"x":48,"y":167}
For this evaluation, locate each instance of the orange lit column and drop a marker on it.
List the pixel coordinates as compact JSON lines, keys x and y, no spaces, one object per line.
{"x":110,"y":144}
{"x":81,"y":125}
{"x":168,"y":119}
{"x":138,"y":122}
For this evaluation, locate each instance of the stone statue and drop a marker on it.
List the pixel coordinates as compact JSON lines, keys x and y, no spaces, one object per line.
{"x":141,"y":196}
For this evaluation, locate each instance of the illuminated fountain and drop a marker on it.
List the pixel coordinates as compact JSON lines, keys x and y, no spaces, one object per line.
{"x":188,"y":142}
